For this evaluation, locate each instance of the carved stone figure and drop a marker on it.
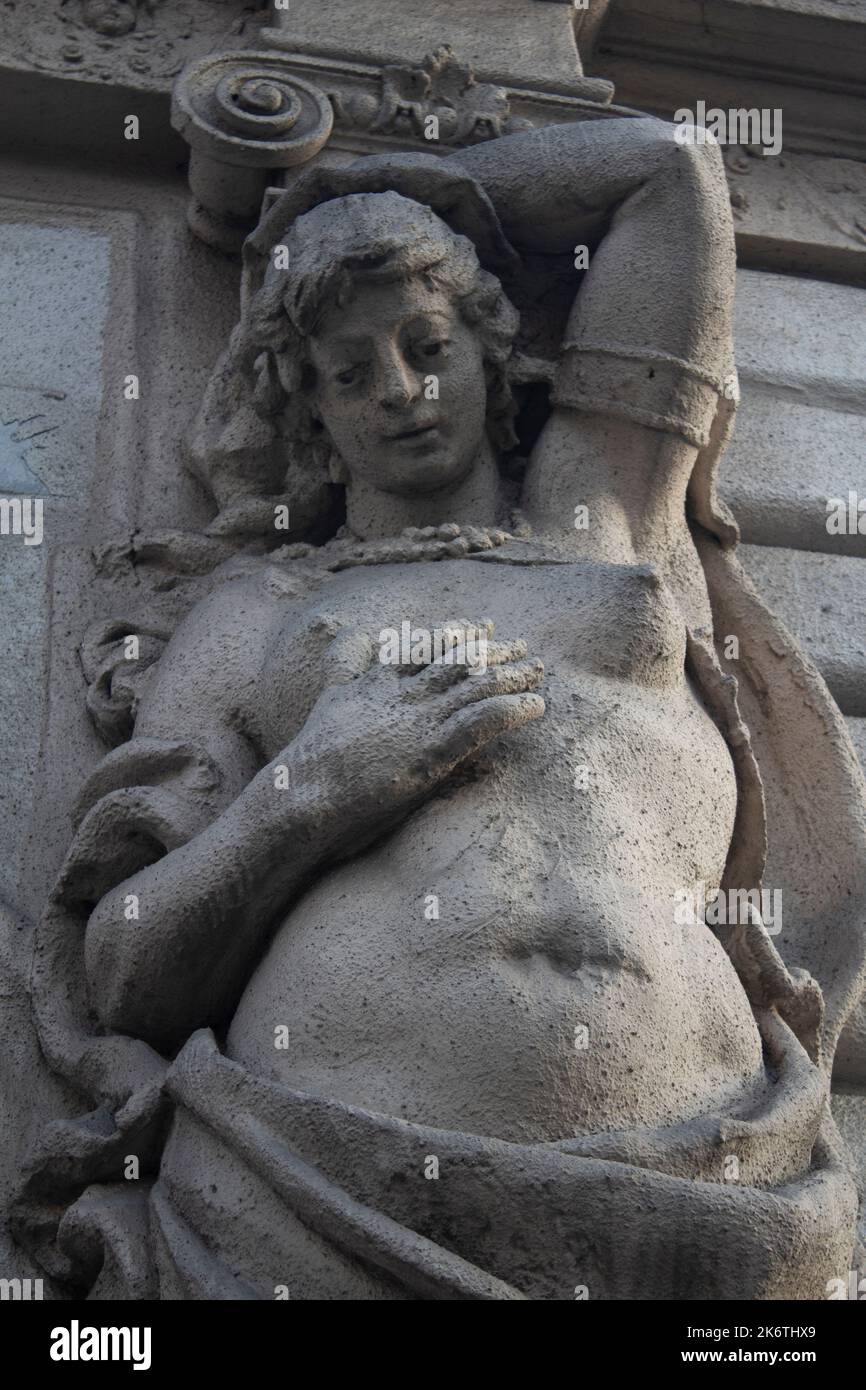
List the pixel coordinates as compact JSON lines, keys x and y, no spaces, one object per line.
{"x":374,"y":965}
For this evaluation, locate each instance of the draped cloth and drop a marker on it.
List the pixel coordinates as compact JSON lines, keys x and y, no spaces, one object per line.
{"x":266,"y":1192}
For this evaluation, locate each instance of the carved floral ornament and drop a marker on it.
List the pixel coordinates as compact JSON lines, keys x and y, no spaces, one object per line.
{"x":254,"y":97}
{"x":114,"y":18}
{"x":439,"y":100}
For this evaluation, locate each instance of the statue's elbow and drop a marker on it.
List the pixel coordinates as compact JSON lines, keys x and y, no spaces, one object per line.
{"x":115,"y":988}
{"x":698,"y":155}
{"x":137,"y":988}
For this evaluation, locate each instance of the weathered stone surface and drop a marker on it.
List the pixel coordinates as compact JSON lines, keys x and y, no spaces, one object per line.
{"x":805,"y":336}
{"x":525,"y":41}
{"x":857,"y":730}
{"x":849,"y":1112}
{"x":785,"y":462}
{"x":799,"y":213}
{"x":53,"y":303}
{"x":822,"y":599}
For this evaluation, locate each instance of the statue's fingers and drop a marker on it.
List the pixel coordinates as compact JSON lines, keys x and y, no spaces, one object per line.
{"x":512,"y":679}
{"x":347,"y":657}
{"x":444,"y":645}
{"x":498,"y":653}
{"x":470,"y":728}
{"x":478,"y":538}
{"x":466,"y":659}
{"x":440,"y":675}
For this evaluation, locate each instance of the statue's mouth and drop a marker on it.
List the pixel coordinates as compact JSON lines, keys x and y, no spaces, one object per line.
{"x":416,"y":432}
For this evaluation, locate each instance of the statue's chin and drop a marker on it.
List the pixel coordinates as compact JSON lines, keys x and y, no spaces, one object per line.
{"x":425,"y":472}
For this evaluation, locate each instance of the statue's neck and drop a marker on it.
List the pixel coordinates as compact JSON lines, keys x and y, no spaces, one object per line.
{"x":477,"y":501}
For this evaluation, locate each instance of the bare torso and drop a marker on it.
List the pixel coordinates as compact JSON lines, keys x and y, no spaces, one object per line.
{"x":507,"y":961}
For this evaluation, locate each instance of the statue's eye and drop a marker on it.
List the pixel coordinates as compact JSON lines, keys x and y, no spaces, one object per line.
{"x":347,"y":375}
{"x":432,"y":347}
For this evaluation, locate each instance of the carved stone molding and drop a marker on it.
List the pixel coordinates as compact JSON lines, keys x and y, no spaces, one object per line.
{"x":532,"y":45}
{"x":802,"y":56}
{"x":437,"y":99}
{"x":241,"y":112}
{"x":238,"y":112}
{"x":141,"y":42}
{"x":799,"y":212}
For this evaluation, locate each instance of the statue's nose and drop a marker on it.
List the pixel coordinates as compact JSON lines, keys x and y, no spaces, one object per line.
{"x":397,"y":383}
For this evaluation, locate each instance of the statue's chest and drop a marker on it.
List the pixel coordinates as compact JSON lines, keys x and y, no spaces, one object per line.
{"x":583,"y":620}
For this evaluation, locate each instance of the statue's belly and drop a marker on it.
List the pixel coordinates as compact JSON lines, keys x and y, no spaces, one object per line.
{"x":508,"y":962}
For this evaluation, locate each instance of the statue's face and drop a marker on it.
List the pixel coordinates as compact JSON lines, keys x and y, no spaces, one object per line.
{"x":401,"y":387}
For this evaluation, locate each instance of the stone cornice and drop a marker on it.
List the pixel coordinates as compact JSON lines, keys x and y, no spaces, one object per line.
{"x":803,"y":56}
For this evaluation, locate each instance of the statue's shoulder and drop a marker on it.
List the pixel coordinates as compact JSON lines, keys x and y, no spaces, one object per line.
{"x":212,"y":658}
{"x":244,"y":596}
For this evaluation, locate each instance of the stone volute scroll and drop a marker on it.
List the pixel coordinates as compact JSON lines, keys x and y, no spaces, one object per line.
{"x":244,"y":118}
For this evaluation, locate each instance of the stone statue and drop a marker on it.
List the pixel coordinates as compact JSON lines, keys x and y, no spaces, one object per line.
{"x":371,"y":961}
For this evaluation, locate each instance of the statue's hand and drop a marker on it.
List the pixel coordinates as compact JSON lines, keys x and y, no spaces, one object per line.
{"x":381,"y":737}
